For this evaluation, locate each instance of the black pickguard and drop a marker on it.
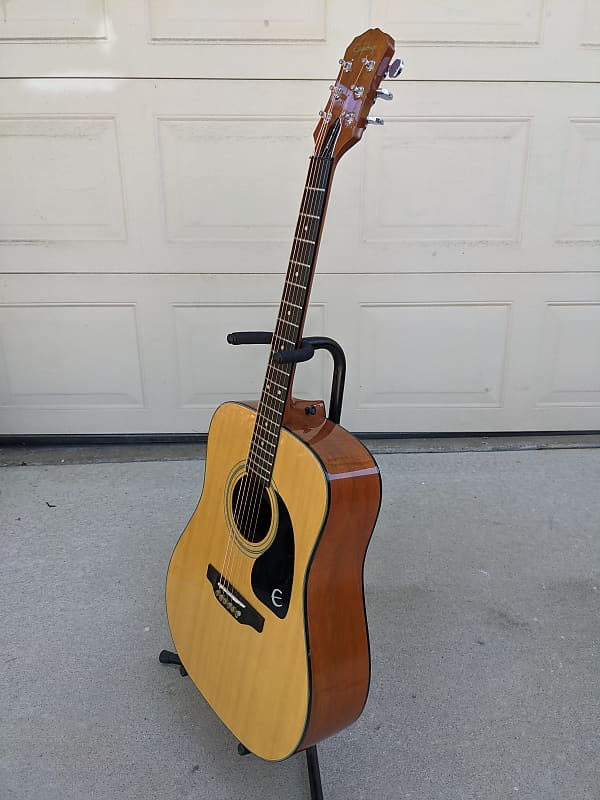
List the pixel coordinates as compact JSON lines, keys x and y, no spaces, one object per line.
{"x":273,"y":571}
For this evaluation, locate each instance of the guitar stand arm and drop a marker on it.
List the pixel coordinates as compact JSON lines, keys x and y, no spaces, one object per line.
{"x":305,"y":352}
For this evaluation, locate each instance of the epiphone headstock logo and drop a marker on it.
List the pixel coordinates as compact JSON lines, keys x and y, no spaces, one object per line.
{"x":364,"y":48}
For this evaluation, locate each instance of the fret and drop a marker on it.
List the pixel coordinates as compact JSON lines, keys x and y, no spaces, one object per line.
{"x":287,"y":322}
{"x":271,"y":381}
{"x":267,"y":396}
{"x":297,"y":285}
{"x":267,"y":461}
{"x":268,"y":433}
{"x":252,"y":467}
{"x":296,"y":274}
{"x":301,"y":272}
{"x":315,"y":189}
{"x":256,"y":449}
{"x":312,"y":216}
{"x":308,"y":227}
{"x":299,"y":263}
{"x":267,"y":457}
{"x":264,"y":420}
{"x":307,"y":241}
{"x":280,"y":388}
{"x":289,"y":303}
{"x":268,"y":447}
{"x":277,"y":399}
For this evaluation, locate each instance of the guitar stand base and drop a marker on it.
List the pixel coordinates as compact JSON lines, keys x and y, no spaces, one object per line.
{"x":314,"y":772}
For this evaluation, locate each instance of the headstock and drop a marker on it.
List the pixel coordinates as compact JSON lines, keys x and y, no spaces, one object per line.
{"x":365,"y":64}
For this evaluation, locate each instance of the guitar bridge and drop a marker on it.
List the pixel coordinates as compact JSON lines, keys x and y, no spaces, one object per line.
{"x":232,"y":601}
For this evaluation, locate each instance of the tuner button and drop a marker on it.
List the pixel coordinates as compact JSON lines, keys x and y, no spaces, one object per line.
{"x":384,"y":94}
{"x":374,"y":121}
{"x":395,"y":68}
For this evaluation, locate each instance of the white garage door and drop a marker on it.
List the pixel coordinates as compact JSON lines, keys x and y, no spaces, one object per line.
{"x":152,"y":158}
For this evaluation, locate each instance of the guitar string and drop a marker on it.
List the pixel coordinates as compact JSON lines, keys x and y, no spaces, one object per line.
{"x":300,"y":250}
{"x":247,"y":512}
{"x":291,"y":295}
{"x":252,"y":489}
{"x":250,"y":496}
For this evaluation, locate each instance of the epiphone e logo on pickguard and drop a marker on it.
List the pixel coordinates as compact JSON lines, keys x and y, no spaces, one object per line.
{"x":276,"y":598}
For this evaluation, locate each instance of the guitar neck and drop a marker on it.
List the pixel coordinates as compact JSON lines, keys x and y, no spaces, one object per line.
{"x":290,"y":318}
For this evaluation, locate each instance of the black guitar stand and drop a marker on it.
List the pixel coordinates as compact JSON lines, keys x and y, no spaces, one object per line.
{"x":304,"y":353}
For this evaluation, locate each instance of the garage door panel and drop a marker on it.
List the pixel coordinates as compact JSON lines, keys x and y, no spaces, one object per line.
{"x":269,"y":21}
{"x":465,"y":21}
{"x":466,"y":179}
{"x":443,"y":355}
{"x":61,"y":180}
{"x":60,"y":356}
{"x":564,"y":380}
{"x":61,"y":19}
{"x":590,"y":28}
{"x":580,"y":195}
{"x":259,"y":199}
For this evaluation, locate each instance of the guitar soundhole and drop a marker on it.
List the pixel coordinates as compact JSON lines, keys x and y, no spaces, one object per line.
{"x":252,"y":511}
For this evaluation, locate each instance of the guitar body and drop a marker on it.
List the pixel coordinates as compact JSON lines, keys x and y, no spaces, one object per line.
{"x":273,"y":631}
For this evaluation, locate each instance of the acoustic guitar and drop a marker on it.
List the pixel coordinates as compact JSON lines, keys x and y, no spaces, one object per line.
{"x":264,"y":589}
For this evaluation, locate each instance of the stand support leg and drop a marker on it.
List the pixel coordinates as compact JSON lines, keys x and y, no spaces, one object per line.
{"x":168,"y":657}
{"x":314,"y":773}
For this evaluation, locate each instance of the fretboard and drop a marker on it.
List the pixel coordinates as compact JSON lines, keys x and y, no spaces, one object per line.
{"x":290,"y":319}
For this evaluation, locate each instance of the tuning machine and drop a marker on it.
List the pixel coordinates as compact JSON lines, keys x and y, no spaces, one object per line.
{"x":374,"y":121}
{"x":395,"y":68}
{"x":383,"y":94}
